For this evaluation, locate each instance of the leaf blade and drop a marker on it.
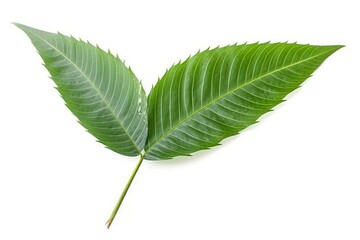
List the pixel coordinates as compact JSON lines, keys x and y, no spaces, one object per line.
{"x":98,"y":88}
{"x":236,"y":85}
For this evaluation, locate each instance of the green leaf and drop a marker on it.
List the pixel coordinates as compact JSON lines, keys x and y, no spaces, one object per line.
{"x":217,"y":93}
{"x":98,"y":88}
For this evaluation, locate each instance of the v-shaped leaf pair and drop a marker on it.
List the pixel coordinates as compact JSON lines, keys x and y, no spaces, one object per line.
{"x":196,"y":104}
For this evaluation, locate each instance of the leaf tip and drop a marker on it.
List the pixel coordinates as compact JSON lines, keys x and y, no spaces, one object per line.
{"x":19,"y":25}
{"x":22,"y":26}
{"x":339,"y":47}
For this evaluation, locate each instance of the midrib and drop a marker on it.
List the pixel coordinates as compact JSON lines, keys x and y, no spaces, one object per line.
{"x":226,"y":94}
{"x":92,"y":84}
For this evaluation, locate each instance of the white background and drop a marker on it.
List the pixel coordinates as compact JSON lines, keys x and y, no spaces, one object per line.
{"x":295,"y":175}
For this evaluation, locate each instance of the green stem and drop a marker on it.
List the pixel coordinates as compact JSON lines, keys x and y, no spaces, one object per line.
{"x":123,"y":194}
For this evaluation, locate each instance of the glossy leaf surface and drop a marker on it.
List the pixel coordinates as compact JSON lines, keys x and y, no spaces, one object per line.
{"x":217,"y":93}
{"x":98,"y":88}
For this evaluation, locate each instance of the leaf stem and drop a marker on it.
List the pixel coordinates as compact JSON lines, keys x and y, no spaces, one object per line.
{"x":123,"y":194}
